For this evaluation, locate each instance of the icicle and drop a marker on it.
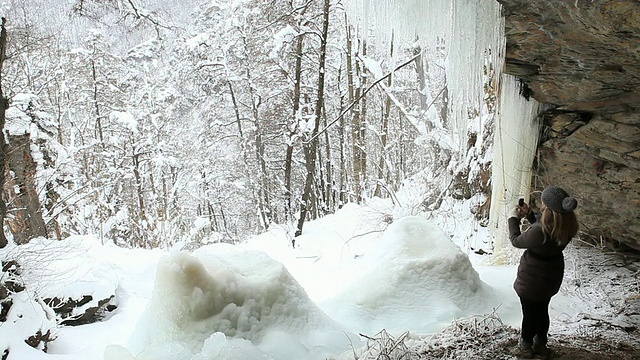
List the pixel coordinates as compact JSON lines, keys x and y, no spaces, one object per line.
{"x":515,"y":141}
{"x":469,"y":29}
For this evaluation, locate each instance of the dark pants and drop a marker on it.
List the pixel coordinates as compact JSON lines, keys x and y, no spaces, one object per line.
{"x":535,"y":320}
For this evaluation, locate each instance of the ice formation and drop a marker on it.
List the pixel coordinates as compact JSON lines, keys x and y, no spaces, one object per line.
{"x":515,"y":139}
{"x":225,"y":300}
{"x":469,"y":31}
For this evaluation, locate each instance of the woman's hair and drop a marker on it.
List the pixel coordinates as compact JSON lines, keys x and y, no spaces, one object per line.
{"x":559,"y":227}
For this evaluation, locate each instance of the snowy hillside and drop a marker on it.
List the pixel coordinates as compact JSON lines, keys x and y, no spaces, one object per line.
{"x":350,"y":277}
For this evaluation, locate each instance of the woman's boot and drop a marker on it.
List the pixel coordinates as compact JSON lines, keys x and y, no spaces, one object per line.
{"x":524,"y":349}
{"x":540,"y":349}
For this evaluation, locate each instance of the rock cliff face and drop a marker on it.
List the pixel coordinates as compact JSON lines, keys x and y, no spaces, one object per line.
{"x":583,"y":57}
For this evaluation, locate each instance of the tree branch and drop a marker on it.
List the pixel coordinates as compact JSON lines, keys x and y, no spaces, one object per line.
{"x":364,"y":93}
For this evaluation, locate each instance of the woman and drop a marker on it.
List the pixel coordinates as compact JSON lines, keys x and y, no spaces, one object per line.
{"x":542,"y":264}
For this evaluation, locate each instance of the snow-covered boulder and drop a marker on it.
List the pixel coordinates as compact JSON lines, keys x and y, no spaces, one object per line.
{"x":27,"y":325}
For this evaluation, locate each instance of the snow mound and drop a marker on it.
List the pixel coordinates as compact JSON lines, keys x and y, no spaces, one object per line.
{"x":415,"y":259}
{"x":225,"y":300}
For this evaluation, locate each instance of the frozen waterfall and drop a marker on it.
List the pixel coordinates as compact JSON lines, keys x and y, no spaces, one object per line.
{"x":471,"y":33}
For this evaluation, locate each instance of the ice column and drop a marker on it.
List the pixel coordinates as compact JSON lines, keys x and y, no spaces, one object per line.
{"x":515,"y":140}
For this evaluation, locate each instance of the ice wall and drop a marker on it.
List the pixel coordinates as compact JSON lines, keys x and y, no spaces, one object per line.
{"x":471,"y":32}
{"x":468,"y":31}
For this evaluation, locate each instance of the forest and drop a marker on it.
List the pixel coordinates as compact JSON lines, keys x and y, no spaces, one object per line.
{"x":152,"y":123}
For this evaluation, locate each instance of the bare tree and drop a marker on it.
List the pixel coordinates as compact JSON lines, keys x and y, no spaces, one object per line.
{"x":4,"y":105}
{"x":244,"y":150}
{"x":293,"y":127}
{"x":311,"y":147}
{"x":356,"y":85}
{"x":382,"y":177}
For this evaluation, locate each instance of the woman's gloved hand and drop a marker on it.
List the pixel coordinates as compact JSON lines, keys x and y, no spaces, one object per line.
{"x":515,"y":212}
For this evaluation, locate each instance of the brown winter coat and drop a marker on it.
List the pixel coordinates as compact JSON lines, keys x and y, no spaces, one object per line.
{"x":542,"y":264}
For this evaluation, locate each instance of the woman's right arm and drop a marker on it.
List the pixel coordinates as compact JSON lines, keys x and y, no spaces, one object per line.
{"x":532,"y":237}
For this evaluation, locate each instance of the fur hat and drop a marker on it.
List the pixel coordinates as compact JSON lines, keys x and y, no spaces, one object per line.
{"x":558,"y":200}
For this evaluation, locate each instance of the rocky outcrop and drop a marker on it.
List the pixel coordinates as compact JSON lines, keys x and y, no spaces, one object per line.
{"x":36,"y":318}
{"x":75,"y":312}
{"x":583,"y":57}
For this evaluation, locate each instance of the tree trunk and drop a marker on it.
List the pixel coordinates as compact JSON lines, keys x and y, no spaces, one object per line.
{"x":142,"y":239}
{"x":312,"y":147}
{"x":26,"y":221}
{"x":245,"y":157}
{"x":288,"y":161}
{"x":163,"y":212}
{"x":95,"y":102}
{"x":138,"y":179}
{"x":382,"y":178}
{"x":4,"y":105}
{"x":293,"y":128}
{"x":343,"y":198}
{"x":343,"y":161}
{"x":362,"y":141}
{"x":264,"y":195}
{"x":328,"y":188}
{"x":211,"y":212}
{"x":422,"y":78}
{"x":224,"y":219}
{"x":402,"y":162}
{"x":353,"y":94}
{"x":357,"y":115}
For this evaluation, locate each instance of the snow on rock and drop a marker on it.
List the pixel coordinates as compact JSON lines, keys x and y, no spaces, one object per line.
{"x":81,"y":271}
{"x":195,"y":41}
{"x":145,"y":51}
{"x":418,"y":277}
{"x":68,"y":269}
{"x":225,"y":300}
{"x":25,"y":318}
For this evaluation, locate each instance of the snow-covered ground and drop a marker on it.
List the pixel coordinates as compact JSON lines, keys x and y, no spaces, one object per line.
{"x":350,"y":276}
